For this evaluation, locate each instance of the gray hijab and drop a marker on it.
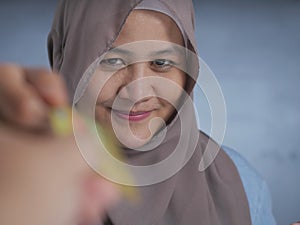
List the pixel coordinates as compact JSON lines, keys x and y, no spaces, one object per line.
{"x":84,"y":30}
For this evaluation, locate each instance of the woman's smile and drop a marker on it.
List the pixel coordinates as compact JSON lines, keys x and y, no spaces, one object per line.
{"x":132,"y":116}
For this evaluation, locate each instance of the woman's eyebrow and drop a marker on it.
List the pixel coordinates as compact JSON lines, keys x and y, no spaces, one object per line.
{"x":165,"y":51}
{"x":122,"y":51}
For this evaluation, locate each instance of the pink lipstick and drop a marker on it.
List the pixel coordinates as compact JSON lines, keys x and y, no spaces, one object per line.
{"x":133,"y":116}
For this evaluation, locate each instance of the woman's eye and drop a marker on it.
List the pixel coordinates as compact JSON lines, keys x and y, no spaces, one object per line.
{"x":113,"y":62}
{"x":162,"y":63}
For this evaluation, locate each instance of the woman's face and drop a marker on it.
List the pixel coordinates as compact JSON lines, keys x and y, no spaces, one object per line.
{"x":137,"y":85}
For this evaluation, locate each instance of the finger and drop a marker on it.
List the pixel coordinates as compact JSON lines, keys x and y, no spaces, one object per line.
{"x":49,"y":86}
{"x":19,"y":102}
{"x":98,"y":196}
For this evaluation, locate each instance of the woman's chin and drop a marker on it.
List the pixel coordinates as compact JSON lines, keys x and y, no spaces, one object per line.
{"x":133,"y":142}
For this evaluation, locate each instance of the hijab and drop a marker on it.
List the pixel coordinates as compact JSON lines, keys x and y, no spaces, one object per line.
{"x":84,"y":30}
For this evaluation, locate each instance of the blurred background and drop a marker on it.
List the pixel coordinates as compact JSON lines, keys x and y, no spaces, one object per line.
{"x":253,"y":48}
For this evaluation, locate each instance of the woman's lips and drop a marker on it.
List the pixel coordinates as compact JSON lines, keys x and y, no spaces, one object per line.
{"x":133,"y":116}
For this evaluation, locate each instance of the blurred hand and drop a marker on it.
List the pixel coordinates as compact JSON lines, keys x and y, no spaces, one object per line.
{"x":44,"y":179}
{"x":26,"y":94}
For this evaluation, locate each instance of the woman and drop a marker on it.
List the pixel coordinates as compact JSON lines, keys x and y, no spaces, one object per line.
{"x":144,"y":100}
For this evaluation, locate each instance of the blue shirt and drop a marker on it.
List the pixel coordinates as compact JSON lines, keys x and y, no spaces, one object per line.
{"x":258,"y":194}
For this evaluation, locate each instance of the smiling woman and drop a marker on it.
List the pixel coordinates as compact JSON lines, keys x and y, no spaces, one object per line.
{"x":142,"y":95}
{"x":131,"y":66}
{"x":141,"y":92}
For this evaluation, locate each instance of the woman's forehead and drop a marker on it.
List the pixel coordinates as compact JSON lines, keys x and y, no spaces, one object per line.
{"x":144,"y":24}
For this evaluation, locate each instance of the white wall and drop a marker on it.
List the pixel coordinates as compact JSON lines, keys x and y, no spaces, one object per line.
{"x":253,"y":47}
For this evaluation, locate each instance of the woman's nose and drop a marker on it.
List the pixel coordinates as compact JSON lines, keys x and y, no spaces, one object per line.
{"x":136,"y":87}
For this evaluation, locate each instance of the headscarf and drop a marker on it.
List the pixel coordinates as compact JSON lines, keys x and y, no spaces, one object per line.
{"x":84,"y":30}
